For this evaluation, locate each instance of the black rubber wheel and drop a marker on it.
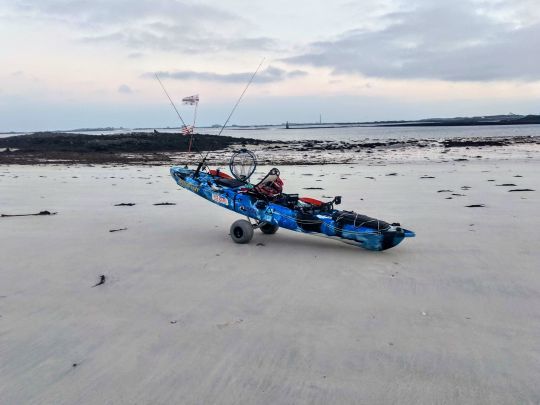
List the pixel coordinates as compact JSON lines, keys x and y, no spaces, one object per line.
{"x":241,"y":231}
{"x":269,"y":229}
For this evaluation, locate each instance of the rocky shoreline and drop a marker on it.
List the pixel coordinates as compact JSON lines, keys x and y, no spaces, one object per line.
{"x":167,"y":148}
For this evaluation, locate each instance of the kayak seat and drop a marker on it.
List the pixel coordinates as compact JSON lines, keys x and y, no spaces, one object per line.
{"x":231,"y":183}
{"x":271,"y":185}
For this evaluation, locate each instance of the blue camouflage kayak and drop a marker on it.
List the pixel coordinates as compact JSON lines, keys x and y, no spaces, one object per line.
{"x":267,"y":208}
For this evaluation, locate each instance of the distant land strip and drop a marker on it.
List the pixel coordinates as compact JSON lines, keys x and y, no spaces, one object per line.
{"x":507,"y":119}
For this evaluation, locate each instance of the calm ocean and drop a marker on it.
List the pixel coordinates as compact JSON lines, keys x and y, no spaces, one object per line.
{"x":354,"y":133}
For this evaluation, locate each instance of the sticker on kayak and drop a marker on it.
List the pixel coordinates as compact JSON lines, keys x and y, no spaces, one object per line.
{"x":219,"y":199}
{"x":187,"y":185}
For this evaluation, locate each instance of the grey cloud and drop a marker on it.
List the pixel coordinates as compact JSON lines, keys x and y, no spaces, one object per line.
{"x":135,"y":55}
{"x":100,"y":12}
{"x":270,"y":74}
{"x":296,"y":73}
{"x":166,"y":25}
{"x":262,"y":43}
{"x":171,"y":38}
{"x":124,"y":89}
{"x":449,"y":41}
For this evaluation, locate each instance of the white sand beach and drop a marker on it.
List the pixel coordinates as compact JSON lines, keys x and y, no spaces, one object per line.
{"x":186,"y":316}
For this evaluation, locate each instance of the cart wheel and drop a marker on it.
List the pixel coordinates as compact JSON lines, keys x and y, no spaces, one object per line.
{"x":269,"y":228}
{"x":241,"y":231}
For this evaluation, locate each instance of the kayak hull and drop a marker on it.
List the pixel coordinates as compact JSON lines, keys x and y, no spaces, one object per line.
{"x":235,"y":199}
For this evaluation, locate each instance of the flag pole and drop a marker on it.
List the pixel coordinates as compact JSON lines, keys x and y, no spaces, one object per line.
{"x":193,"y":126}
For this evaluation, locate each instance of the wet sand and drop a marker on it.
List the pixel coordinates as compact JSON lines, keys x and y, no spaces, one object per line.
{"x":184,"y":315}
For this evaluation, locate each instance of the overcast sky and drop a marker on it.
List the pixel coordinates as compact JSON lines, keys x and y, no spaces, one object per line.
{"x":81,"y":63}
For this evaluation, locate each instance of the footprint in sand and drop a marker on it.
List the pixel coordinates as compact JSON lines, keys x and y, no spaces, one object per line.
{"x":227,"y":324}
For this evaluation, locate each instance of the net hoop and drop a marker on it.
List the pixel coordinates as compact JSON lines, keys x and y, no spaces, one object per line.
{"x":243,"y":164}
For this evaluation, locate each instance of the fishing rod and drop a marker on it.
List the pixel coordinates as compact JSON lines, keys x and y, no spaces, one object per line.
{"x":241,"y":95}
{"x":170,"y":99}
{"x":177,"y":113}
{"x":232,"y":112}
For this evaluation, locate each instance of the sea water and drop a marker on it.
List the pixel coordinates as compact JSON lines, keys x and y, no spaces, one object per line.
{"x":349,"y":133}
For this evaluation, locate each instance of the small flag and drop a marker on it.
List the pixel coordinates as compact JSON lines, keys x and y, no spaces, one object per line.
{"x":187,"y":130}
{"x":191,"y":100}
